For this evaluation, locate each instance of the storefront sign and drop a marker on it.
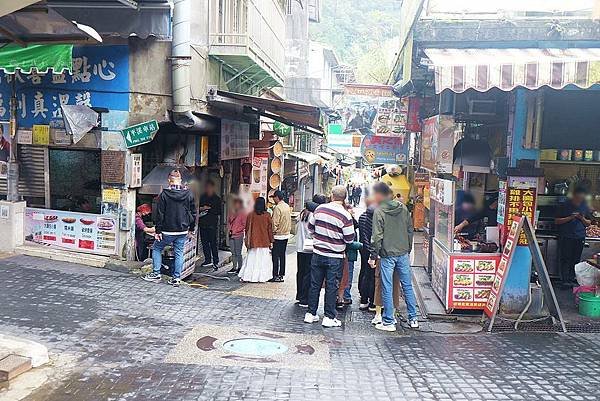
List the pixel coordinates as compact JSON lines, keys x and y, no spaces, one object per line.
{"x":368,"y":90}
{"x":81,"y":232}
{"x":385,"y":149}
{"x":135,"y":176}
{"x":113,"y":167}
{"x":140,"y":134}
{"x":5,"y":143}
{"x":503,"y":266}
{"x":470,"y":280}
{"x":392,"y":114}
{"x":41,"y":134}
{"x":343,"y":143}
{"x":235,"y":139}
{"x":100,"y":78}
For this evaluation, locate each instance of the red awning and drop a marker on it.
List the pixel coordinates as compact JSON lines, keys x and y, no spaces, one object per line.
{"x":506,"y":69}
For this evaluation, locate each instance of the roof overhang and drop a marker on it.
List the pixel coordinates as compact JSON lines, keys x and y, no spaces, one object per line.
{"x":299,"y":115}
{"x":40,"y":25}
{"x":119,"y":18}
{"x":506,"y":69}
{"x":10,"y":6}
{"x":304,"y":156}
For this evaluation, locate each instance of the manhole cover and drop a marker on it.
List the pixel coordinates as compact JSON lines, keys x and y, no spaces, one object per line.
{"x":254,"y":347}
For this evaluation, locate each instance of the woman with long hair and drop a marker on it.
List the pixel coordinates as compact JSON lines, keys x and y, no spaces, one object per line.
{"x":258,"y":266}
{"x":304,"y":245}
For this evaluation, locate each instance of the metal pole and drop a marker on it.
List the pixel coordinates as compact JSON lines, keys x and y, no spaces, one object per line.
{"x":12,"y":194}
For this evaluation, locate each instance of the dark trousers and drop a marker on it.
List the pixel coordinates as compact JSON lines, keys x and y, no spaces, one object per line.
{"x":330,"y":270}
{"x":208,"y":236}
{"x":570,"y":250}
{"x":366,"y":279}
{"x":303,"y":277}
{"x":278,"y":254}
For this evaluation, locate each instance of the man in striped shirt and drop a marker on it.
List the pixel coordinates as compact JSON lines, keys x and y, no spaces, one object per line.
{"x":332,"y":229}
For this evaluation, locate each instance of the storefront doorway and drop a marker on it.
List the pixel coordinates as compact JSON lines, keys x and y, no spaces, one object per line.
{"x":75,"y":180}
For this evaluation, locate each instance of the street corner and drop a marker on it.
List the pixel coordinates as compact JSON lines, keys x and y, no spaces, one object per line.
{"x":226,"y":346}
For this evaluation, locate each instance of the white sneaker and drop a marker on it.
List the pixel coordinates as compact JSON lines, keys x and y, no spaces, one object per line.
{"x":386,"y":327}
{"x":310,"y":318}
{"x":328,"y":322}
{"x":414,"y":324}
{"x":376,"y":319}
{"x":363,"y":306}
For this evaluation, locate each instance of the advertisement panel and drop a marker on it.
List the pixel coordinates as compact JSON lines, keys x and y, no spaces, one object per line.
{"x":385,"y":149}
{"x":437,"y":144}
{"x":82,"y":232}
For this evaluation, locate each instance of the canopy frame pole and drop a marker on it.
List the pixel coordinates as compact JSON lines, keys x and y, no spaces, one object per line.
{"x":12,"y":190}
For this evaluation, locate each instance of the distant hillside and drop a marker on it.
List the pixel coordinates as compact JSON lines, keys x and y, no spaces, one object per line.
{"x":362,"y":33}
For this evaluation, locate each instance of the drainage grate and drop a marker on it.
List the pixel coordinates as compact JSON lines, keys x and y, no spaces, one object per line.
{"x":544,"y":327}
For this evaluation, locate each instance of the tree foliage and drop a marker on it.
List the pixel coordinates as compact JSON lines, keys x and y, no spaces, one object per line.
{"x":362,"y":33}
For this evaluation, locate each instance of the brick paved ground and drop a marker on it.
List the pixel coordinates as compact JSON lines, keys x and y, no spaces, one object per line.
{"x":121,"y":329}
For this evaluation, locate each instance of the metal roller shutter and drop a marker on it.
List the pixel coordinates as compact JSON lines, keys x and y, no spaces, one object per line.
{"x":32,"y":173}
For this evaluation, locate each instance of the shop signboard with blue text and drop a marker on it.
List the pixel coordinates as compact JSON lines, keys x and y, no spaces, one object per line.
{"x":377,"y":149}
{"x":100,"y":78}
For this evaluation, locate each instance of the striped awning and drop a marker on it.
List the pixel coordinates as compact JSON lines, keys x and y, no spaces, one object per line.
{"x":483,"y":69}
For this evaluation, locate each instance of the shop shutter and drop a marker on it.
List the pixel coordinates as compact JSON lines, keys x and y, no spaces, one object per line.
{"x":32,"y":180}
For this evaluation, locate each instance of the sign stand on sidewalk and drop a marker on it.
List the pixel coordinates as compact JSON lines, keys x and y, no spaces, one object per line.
{"x":521,"y":225}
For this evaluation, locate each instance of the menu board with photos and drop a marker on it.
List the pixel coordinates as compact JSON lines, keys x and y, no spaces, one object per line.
{"x":82,"y":232}
{"x":392,"y":114}
{"x":470,"y":280}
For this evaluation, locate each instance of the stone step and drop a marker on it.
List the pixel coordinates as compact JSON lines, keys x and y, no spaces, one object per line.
{"x":12,"y":366}
{"x":41,"y":251}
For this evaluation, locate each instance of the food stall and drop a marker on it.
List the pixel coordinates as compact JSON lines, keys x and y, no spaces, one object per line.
{"x":462,"y":271}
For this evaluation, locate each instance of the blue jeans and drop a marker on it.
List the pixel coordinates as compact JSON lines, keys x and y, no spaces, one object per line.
{"x":401,"y":264}
{"x":178,"y":242}
{"x":330,"y":270}
{"x":347,"y":294}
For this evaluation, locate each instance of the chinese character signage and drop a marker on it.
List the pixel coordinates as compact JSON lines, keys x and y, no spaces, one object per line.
{"x":4,"y":148}
{"x":377,"y":149}
{"x":140,"y":133}
{"x":81,"y":232}
{"x":100,"y":78}
{"x":517,"y":198}
{"x":41,"y":134}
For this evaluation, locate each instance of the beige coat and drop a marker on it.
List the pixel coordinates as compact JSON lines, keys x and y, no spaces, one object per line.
{"x":282,"y":219}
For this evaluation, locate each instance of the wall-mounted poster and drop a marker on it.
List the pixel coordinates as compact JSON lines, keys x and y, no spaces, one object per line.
{"x":235,"y":139}
{"x":437,"y":144}
{"x":377,"y":149}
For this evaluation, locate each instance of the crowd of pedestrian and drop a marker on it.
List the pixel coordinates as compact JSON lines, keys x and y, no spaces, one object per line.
{"x":329,"y":240}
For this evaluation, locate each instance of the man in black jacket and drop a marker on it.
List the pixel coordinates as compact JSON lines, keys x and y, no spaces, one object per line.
{"x":175,"y":221}
{"x":210,"y":210}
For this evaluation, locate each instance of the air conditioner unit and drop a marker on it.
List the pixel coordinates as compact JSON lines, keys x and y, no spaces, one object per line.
{"x":482,"y":107}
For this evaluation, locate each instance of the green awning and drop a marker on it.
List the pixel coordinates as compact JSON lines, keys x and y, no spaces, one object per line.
{"x":42,"y":58}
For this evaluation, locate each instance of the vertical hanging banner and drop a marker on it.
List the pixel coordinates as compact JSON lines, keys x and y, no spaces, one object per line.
{"x":517,"y":197}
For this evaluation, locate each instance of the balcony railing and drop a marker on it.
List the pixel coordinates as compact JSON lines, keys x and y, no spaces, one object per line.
{"x":243,"y":28}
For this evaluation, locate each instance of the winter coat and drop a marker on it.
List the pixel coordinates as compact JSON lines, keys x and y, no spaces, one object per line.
{"x":176,"y":211}
{"x":392,"y":230}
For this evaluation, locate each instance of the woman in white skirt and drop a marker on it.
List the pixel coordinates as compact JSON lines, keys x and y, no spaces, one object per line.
{"x":258,"y":266}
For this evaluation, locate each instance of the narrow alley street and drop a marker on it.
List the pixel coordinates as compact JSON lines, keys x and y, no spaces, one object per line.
{"x":113,"y":336}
